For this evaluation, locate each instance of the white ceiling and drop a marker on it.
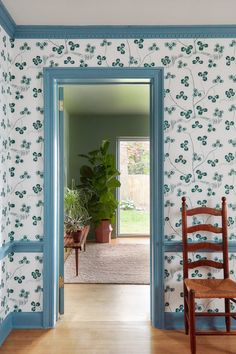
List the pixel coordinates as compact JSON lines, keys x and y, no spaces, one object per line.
{"x":107,"y":99}
{"x":122,"y":12}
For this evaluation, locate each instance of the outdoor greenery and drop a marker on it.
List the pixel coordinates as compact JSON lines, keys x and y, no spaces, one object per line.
{"x":134,"y":222}
{"x":138,"y":158}
{"x":100,"y":177}
{"x":127,"y":205}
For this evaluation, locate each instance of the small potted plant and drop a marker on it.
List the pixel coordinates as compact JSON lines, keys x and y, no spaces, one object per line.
{"x":100,"y":176}
{"x":76,"y":217}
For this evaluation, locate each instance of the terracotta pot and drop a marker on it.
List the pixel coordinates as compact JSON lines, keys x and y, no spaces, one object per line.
{"x":77,"y":236}
{"x":103,"y":231}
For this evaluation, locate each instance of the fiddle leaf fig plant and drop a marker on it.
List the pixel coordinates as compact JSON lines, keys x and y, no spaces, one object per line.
{"x":100,"y":176}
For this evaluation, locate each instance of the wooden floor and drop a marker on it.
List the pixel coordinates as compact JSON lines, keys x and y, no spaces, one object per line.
{"x":109,"y":319}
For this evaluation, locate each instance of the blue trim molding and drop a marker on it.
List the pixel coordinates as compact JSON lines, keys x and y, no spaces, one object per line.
{"x":53,"y":77}
{"x":177,"y":247}
{"x":6,"y":21}
{"x":5,"y":249}
{"x":21,"y":246}
{"x":175,"y":321}
{"x":107,"y":31}
{"x":27,"y":320}
{"x":87,"y":32}
{"x":20,"y":320}
{"x":5,"y":328}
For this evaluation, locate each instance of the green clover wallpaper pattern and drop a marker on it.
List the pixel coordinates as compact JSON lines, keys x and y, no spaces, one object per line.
{"x":200,"y":140}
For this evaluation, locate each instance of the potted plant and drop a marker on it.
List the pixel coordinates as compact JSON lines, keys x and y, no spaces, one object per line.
{"x":76,"y":213}
{"x":100,"y":176}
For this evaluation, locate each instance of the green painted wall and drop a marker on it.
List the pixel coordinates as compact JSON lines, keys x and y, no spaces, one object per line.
{"x":87,"y":132}
{"x":66,"y":149}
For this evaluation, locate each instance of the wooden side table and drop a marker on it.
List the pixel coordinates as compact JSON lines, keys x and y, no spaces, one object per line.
{"x":77,"y":246}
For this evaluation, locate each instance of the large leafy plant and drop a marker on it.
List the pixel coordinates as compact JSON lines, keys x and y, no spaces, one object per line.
{"x":76,"y":209}
{"x":100,"y":176}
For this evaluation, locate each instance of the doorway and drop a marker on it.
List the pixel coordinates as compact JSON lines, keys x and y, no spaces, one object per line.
{"x":53,"y":172}
{"x":94,"y":114}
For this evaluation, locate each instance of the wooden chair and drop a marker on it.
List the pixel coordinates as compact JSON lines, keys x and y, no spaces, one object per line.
{"x":206,"y":288}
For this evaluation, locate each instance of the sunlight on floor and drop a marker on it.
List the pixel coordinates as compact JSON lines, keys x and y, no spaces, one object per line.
{"x":106,"y":302}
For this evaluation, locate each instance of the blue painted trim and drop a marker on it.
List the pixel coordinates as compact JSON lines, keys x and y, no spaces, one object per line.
{"x":6,"y":21}
{"x":175,"y":320}
{"x":177,"y":247}
{"x":27,"y":246}
{"x":20,"y":246}
{"x":20,"y":320}
{"x":5,"y":249}
{"x":87,"y":32}
{"x":27,"y":320}
{"x":50,"y":274}
{"x":5,"y":328}
{"x":59,"y":76}
{"x":92,"y":31}
{"x":157,"y":199}
{"x":61,"y":183}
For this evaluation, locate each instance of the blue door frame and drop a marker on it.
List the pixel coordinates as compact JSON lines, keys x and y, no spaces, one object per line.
{"x":53,"y":205}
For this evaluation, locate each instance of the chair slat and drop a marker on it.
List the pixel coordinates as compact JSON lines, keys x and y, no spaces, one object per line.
{"x":204,"y":246}
{"x":216,"y":333}
{"x":204,"y":227}
{"x":205,"y":263}
{"x":204,"y":210}
{"x":213,"y":314}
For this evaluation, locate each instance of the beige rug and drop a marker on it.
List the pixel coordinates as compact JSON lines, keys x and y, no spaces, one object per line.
{"x":110,"y":264}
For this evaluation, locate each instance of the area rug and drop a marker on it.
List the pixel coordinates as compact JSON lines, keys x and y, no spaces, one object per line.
{"x":110,"y":264}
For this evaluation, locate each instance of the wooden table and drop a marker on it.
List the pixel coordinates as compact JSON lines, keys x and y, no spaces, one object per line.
{"x":77,"y":246}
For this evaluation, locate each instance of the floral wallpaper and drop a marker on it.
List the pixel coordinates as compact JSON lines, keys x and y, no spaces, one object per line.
{"x":5,"y":157}
{"x":174,"y":281}
{"x":200,"y":143}
{"x":21,"y":283}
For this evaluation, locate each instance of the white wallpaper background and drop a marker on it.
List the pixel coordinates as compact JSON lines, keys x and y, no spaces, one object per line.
{"x":200,"y":141}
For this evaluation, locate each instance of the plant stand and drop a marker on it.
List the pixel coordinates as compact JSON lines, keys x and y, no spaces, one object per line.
{"x":77,"y":246}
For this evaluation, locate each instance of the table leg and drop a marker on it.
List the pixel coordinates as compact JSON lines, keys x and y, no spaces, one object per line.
{"x":77,"y":261}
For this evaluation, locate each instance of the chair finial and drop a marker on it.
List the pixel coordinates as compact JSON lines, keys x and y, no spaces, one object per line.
{"x":223,"y":199}
{"x":183,"y":199}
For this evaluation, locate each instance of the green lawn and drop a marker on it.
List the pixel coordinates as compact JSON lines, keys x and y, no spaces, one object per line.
{"x":134,"y":222}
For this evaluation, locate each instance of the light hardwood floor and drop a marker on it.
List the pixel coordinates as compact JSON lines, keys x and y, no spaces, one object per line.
{"x":109,"y":319}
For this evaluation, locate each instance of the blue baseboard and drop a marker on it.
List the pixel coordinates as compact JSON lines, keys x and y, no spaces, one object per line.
{"x":5,"y":328}
{"x":27,"y":320}
{"x":175,"y":320}
{"x":20,"y":320}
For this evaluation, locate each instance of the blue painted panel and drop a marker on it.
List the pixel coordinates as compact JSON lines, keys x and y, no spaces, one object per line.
{"x":87,"y":32}
{"x":5,"y":328}
{"x":27,"y":320}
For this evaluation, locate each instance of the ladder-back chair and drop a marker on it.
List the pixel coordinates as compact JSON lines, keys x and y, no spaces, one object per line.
{"x":206,"y":288}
